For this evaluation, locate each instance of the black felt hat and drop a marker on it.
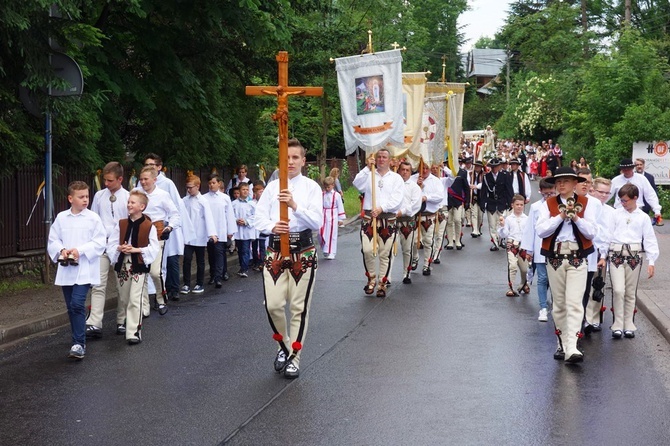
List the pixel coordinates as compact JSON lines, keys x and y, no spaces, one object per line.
{"x":626,"y":163}
{"x":564,"y":172}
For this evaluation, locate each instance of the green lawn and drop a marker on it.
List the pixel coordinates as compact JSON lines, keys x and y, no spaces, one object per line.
{"x":352,"y":205}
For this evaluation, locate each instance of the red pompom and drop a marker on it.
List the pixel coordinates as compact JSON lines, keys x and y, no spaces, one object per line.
{"x":580,"y":335}
{"x":296,"y":346}
{"x":557,"y":332}
{"x":277,"y":337}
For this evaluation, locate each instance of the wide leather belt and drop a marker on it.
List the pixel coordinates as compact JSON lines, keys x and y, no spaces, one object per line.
{"x":297,"y":241}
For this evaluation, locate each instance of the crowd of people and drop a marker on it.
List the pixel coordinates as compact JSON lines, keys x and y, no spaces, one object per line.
{"x":143,"y":232}
{"x":568,"y":240}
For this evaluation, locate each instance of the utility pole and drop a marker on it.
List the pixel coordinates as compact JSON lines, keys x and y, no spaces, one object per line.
{"x":508,"y":80}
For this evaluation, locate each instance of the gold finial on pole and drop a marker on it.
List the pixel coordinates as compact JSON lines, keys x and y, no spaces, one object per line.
{"x":395,"y":45}
{"x":369,"y":49}
{"x":444,"y":68}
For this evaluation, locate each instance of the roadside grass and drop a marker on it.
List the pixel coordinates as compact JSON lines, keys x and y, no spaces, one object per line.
{"x":28,"y":281}
{"x":352,"y":205}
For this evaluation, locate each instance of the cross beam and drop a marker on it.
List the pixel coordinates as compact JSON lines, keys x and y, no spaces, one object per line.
{"x":282,"y":91}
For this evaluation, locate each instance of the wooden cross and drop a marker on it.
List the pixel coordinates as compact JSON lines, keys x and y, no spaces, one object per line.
{"x":283,"y":91}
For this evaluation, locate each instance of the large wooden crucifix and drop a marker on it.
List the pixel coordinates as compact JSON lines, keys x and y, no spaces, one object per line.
{"x":283,"y":91}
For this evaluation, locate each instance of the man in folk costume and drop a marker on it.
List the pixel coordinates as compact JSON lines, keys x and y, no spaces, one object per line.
{"x":458,"y":200}
{"x":388,"y":187}
{"x":290,"y":280}
{"x":469,"y":168}
{"x":496,"y":197}
{"x":432,"y":194}
{"x":567,"y":225}
{"x":406,"y":221}
{"x":446,"y":178}
{"x":475,"y":179}
{"x":333,"y":214}
{"x":519,"y":179}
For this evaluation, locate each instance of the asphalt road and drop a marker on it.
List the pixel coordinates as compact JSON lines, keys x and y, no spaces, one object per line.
{"x":446,"y":360}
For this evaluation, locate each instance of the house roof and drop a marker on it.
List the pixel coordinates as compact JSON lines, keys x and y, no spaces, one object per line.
{"x":485,"y":62}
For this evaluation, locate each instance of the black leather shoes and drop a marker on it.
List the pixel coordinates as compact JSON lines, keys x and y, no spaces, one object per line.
{"x":628,"y":334}
{"x":436,"y":261}
{"x":616,"y":334}
{"x":162,"y":309}
{"x":458,"y":248}
{"x":218,"y":284}
{"x":426,"y":271}
{"x":406,"y":280}
{"x":121,"y":329}
{"x":494,"y":248}
{"x":559,"y":354}
{"x":291,"y":371}
{"x":575,"y":358}
{"x":280,"y":361}
{"x":449,"y":248}
{"x":134,"y":341}
{"x":94,"y":332}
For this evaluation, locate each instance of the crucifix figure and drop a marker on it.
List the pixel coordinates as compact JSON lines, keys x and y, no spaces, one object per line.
{"x":283,"y":91}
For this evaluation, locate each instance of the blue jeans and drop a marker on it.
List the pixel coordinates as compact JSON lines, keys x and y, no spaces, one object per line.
{"x":172,"y":274}
{"x":244,"y":253}
{"x":542,"y":283}
{"x":75,"y":301}
{"x":258,"y":251}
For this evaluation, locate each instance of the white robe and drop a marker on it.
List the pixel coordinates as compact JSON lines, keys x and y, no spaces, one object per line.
{"x":333,"y":212}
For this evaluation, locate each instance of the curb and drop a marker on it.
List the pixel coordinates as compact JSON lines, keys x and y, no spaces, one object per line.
{"x":654,"y":313}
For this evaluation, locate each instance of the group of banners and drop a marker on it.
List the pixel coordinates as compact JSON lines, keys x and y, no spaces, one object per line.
{"x":382,"y":107}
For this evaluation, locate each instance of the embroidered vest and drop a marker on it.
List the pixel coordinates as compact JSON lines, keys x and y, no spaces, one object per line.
{"x":548,"y":243}
{"x":138,"y":240}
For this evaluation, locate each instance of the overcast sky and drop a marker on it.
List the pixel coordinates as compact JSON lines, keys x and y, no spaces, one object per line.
{"x":485,"y":18}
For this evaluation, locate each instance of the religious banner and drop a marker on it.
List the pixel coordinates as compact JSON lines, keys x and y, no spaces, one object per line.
{"x":453,"y":137}
{"x":441,"y":89}
{"x":414,"y":89}
{"x":371,"y":100}
{"x":656,"y":159}
{"x":433,"y":132}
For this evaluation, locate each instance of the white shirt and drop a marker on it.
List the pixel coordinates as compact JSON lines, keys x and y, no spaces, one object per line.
{"x":411,"y":203}
{"x":646,"y":191}
{"x":222,"y":212}
{"x":514,"y":227}
{"x":547,"y":225}
{"x":86,"y":233}
{"x":433,"y":191}
{"x":530,"y":241}
{"x":246,"y":180}
{"x":245,"y":210}
{"x":526,"y":183}
{"x":602,"y":239}
{"x":309,"y":212}
{"x":200,"y":214}
{"x":161,"y":208}
{"x":634,"y":227}
{"x":388,"y":189}
{"x":110,"y":212}
{"x":592,"y":259}
{"x":149,"y":253}
{"x":175,"y":244}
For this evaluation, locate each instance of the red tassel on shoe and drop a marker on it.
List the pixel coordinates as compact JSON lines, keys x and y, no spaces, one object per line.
{"x":277,"y":337}
{"x":296,"y":346}
{"x":557,"y":332}
{"x":580,"y":335}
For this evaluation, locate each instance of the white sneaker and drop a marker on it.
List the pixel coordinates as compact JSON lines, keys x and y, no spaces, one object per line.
{"x":185,"y":289}
{"x":198,"y":289}
{"x":77,"y":351}
{"x":543,"y":316}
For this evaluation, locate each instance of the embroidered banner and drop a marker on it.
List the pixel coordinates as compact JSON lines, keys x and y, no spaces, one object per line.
{"x":453,"y":131}
{"x":432,"y":136}
{"x":414,"y":89}
{"x":371,"y":100}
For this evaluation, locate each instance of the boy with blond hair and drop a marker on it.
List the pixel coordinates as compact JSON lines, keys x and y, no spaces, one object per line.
{"x":512,"y":228}
{"x":133,"y":247}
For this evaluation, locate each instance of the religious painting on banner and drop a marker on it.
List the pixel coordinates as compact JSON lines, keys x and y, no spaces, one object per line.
{"x":371,"y":100}
{"x":656,"y":159}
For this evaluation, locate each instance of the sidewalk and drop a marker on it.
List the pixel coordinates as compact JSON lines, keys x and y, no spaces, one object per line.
{"x":652,"y":297}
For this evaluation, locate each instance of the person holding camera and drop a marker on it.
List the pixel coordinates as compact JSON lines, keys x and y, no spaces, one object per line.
{"x":77,"y":239}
